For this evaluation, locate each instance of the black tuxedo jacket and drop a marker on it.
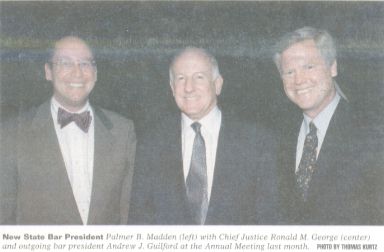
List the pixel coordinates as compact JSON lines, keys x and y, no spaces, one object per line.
{"x":244,"y":184}
{"x":340,"y":189}
{"x":36,"y":186}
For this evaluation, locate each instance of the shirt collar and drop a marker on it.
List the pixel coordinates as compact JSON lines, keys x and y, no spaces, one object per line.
{"x":339,"y":91}
{"x":210,"y":122}
{"x":56,"y":105}
{"x":322,"y":120}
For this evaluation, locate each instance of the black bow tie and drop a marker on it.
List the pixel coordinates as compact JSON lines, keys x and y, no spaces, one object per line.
{"x":82,"y":120}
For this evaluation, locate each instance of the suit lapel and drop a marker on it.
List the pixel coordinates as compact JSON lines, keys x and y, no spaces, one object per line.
{"x":222,"y":164}
{"x":53,"y":164}
{"x":223,"y":187}
{"x":289,"y":196}
{"x":289,"y":151}
{"x":179,"y":192}
{"x":291,"y":148}
{"x":103,"y":146}
{"x":335,"y":141}
{"x":168,"y":185}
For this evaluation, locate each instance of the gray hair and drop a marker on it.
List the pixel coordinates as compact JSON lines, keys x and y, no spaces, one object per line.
{"x":323,"y":40}
{"x":211,"y":58}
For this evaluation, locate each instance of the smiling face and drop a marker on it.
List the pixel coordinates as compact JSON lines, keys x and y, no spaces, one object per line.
{"x":307,"y":78}
{"x":193,"y":84}
{"x":72,"y":72}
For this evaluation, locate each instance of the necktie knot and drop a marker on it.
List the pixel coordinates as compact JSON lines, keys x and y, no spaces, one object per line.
{"x":312,"y":128}
{"x":196,"y":126}
{"x":311,"y":137}
{"x":82,"y":120}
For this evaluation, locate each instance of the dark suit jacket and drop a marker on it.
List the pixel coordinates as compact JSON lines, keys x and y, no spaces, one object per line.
{"x":339,"y":191}
{"x":243,"y":190}
{"x":36,"y":167}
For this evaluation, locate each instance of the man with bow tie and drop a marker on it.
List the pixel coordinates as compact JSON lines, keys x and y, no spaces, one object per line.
{"x":74,"y":161}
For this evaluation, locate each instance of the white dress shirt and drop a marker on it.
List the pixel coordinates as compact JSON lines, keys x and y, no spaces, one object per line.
{"x":210,"y":128}
{"x":77,"y":148}
{"x":321,"y":121}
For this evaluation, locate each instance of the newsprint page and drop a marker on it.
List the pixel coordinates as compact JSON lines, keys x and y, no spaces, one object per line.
{"x":120,"y":56}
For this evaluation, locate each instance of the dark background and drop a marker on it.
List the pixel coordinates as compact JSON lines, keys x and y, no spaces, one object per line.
{"x":134,"y":42}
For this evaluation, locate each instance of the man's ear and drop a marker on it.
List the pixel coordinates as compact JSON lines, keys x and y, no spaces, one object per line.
{"x":95,"y":74}
{"x":334,"y":69}
{"x":48,"y":72}
{"x":218,"y":84}
{"x":172,"y":87}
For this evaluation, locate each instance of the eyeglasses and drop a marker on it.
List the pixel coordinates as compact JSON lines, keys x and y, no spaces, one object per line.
{"x":67,"y":65}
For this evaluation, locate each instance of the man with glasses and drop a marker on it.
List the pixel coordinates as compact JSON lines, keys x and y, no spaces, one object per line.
{"x":74,"y":161}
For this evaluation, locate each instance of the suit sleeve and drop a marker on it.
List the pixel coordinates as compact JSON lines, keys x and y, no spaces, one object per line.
{"x":141,"y":204}
{"x":127,"y":181}
{"x":269,"y":181}
{"x":8,"y":173}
